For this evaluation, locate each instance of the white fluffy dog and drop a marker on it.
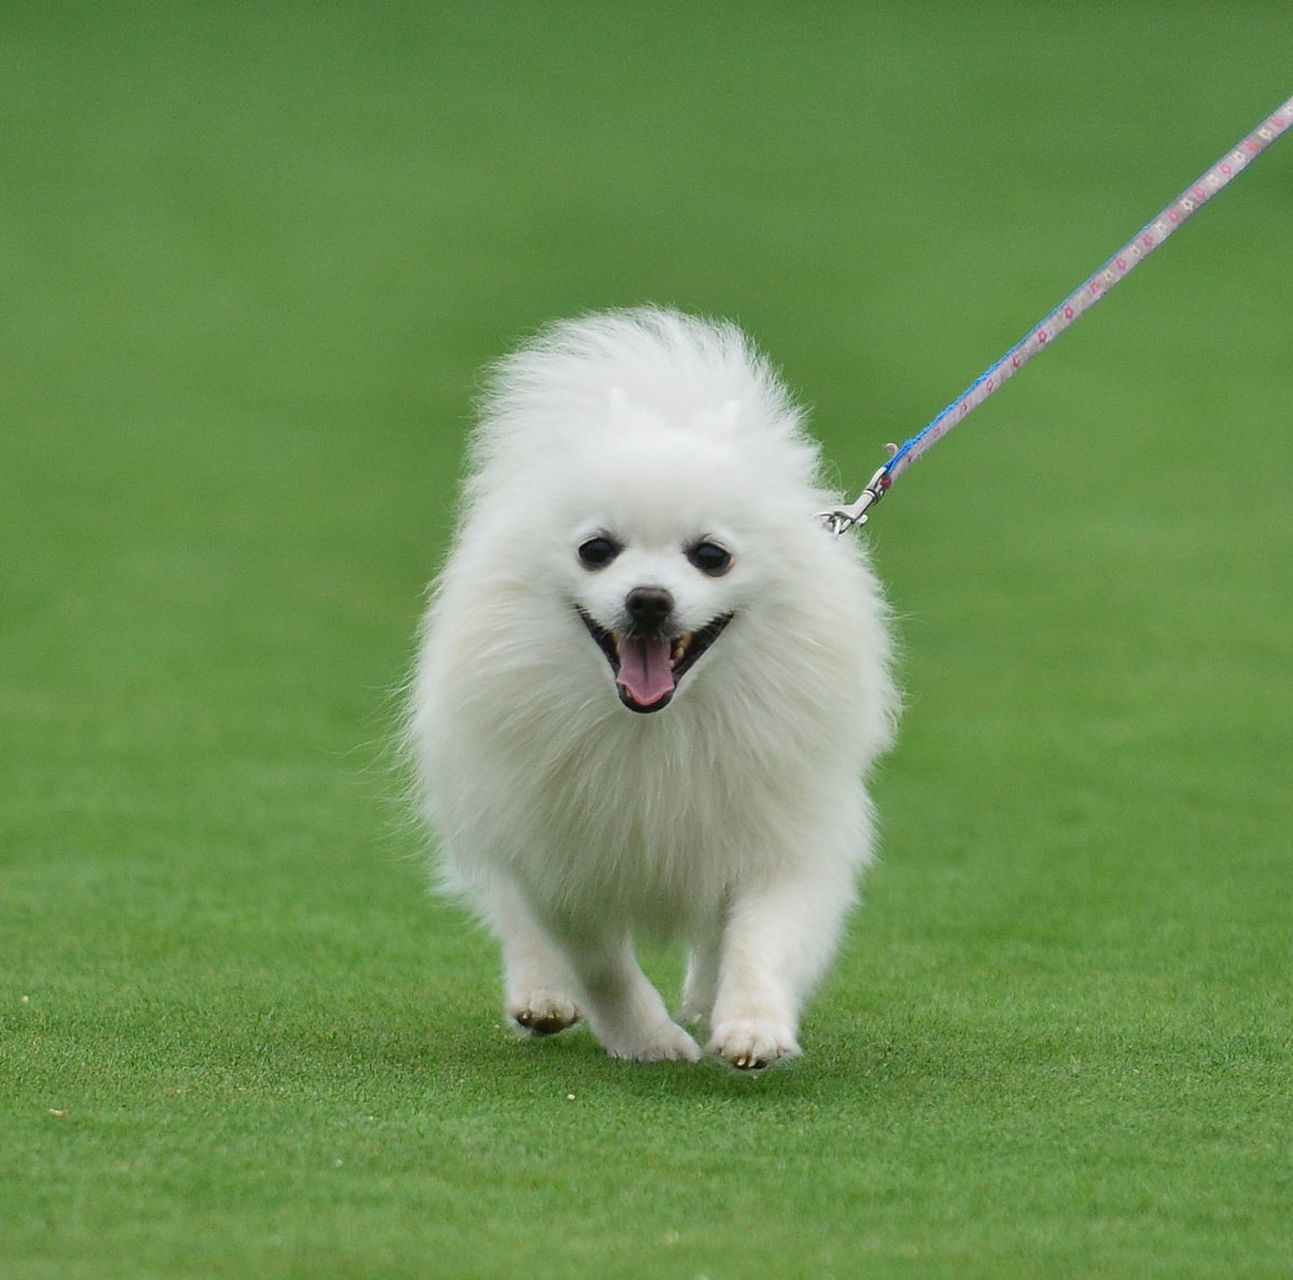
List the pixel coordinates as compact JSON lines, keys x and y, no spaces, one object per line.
{"x":649,"y":688}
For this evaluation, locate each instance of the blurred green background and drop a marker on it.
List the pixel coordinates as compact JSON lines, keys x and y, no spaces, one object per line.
{"x":254,"y":257}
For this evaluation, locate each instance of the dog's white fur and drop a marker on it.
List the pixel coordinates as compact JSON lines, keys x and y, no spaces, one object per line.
{"x":737,"y":814}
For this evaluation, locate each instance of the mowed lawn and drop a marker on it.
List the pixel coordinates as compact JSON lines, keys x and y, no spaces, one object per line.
{"x":254,"y":257}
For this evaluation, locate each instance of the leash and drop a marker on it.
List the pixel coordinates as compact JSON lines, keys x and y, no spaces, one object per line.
{"x":1082,"y":299}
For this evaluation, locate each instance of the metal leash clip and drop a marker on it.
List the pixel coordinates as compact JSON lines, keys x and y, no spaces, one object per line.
{"x":842,"y":519}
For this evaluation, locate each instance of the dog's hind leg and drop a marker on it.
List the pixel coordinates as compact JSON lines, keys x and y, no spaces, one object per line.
{"x":536,"y":981}
{"x":701,"y":984}
{"x":625,"y":1012}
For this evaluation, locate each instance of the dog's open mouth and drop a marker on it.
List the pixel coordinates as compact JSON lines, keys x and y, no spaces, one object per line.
{"x":647,"y":669}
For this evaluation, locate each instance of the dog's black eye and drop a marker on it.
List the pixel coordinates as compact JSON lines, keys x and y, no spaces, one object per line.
{"x":710,"y":558}
{"x":597,"y":552}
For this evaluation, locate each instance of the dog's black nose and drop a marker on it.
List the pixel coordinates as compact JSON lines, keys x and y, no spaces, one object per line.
{"x":649,"y":607}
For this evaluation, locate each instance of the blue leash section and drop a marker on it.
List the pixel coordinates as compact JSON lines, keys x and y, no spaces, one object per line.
{"x":1082,"y":299}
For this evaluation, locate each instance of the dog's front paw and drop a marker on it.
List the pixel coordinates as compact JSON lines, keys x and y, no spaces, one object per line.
{"x":666,"y":1043}
{"x":544,"y":1013}
{"x":751,"y":1044}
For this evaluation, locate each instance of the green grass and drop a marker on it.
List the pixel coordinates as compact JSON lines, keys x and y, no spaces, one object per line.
{"x":255,"y":256}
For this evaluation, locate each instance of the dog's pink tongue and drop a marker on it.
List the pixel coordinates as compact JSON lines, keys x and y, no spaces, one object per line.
{"x":644,"y":668}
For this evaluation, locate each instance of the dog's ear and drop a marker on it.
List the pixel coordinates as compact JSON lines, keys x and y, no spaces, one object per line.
{"x":718,"y":422}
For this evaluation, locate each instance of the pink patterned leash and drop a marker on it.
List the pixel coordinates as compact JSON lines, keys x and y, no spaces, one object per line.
{"x":1134,"y":252}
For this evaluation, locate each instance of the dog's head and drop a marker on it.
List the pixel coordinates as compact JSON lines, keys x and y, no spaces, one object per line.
{"x":655,"y":492}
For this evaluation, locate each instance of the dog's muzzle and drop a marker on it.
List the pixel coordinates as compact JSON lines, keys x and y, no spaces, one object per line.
{"x":648,"y":660}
